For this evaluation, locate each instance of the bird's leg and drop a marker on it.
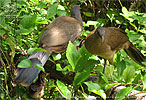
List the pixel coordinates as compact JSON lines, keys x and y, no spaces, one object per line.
{"x":104,"y":66}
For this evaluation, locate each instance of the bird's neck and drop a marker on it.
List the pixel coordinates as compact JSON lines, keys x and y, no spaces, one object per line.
{"x":76,"y":15}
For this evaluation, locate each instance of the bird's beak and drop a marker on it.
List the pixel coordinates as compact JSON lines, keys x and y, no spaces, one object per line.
{"x":102,"y":38}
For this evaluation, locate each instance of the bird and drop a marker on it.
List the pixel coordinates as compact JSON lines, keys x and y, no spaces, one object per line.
{"x":107,"y":41}
{"x":54,"y":40}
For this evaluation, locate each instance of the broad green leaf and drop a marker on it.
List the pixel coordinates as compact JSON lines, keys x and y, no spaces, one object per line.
{"x":125,"y":11}
{"x":123,"y":93}
{"x":137,"y":77}
{"x":31,"y":50}
{"x":65,"y":91}
{"x":38,"y":66}
{"x":129,"y":74}
{"x":100,"y":93}
{"x":91,"y":23}
{"x":84,"y":63}
{"x":111,"y":85}
{"x":72,"y":55}
{"x":56,"y":56}
{"x":89,"y":14}
{"x":144,"y":82}
{"x":60,"y":7}
{"x":102,"y":80}
{"x":110,"y":15}
{"x":109,"y":71}
{"x":61,"y":13}
{"x":40,"y":20}
{"x":127,"y":14}
{"x":27,"y":24}
{"x":25,"y":63}
{"x":120,"y":67}
{"x":52,"y":10}
{"x":101,"y":22}
{"x":80,"y":77}
{"x":28,"y":21}
{"x":59,"y":68}
{"x":92,"y":86}
{"x":2,"y":32}
{"x":104,"y":77}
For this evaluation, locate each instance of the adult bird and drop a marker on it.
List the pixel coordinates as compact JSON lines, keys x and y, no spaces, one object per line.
{"x":106,"y":41}
{"x":55,"y":39}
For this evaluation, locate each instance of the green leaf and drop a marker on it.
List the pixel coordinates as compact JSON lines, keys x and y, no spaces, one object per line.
{"x":80,"y":77}
{"x":123,"y":93}
{"x":111,"y":85}
{"x":89,"y":14}
{"x":31,"y":50}
{"x":92,"y":86}
{"x":109,"y":71}
{"x":110,"y":15}
{"x":52,"y":10}
{"x":127,"y":14}
{"x":72,"y":55}
{"x":27,"y":24}
{"x":129,"y":74}
{"x":25,"y":63}
{"x":91,"y":23}
{"x":121,"y":67}
{"x":59,"y":68}
{"x":2,"y":32}
{"x":83,"y":62}
{"x":61,"y":13}
{"x":144,"y":82}
{"x":28,"y":21}
{"x":100,"y":93}
{"x":56,"y":56}
{"x":102,"y":80}
{"x":38,"y":66}
{"x":65,"y":91}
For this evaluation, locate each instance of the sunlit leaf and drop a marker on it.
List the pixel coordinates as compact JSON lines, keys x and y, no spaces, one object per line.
{"x":25,"y":63}
{"x":65,"y":91}
{"x":92,"y":86}
{"x":81,"y":77}
{"x":56,"y":56}
{"x":129,"y":74}
{"x":31,"y":50}
{"x":111,"y":85}
{"x":38,"y":66}
{"x":123,"y":93}
{"x":100,"y":93}
{"x":144,"y":82}
{"x":52,"y":10}
{"x":72,"y":55}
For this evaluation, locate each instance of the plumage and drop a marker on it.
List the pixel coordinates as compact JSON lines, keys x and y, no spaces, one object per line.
{"x":114,"y":40}
{"x":55,"y":39}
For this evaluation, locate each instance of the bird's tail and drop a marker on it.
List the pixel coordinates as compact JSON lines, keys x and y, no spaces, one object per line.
{"x":136,"y":55}
{"x":25,"y":76}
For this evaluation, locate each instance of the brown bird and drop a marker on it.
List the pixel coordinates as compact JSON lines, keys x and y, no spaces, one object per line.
{"x":106,"y":41}
{"x":55,"y":39}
